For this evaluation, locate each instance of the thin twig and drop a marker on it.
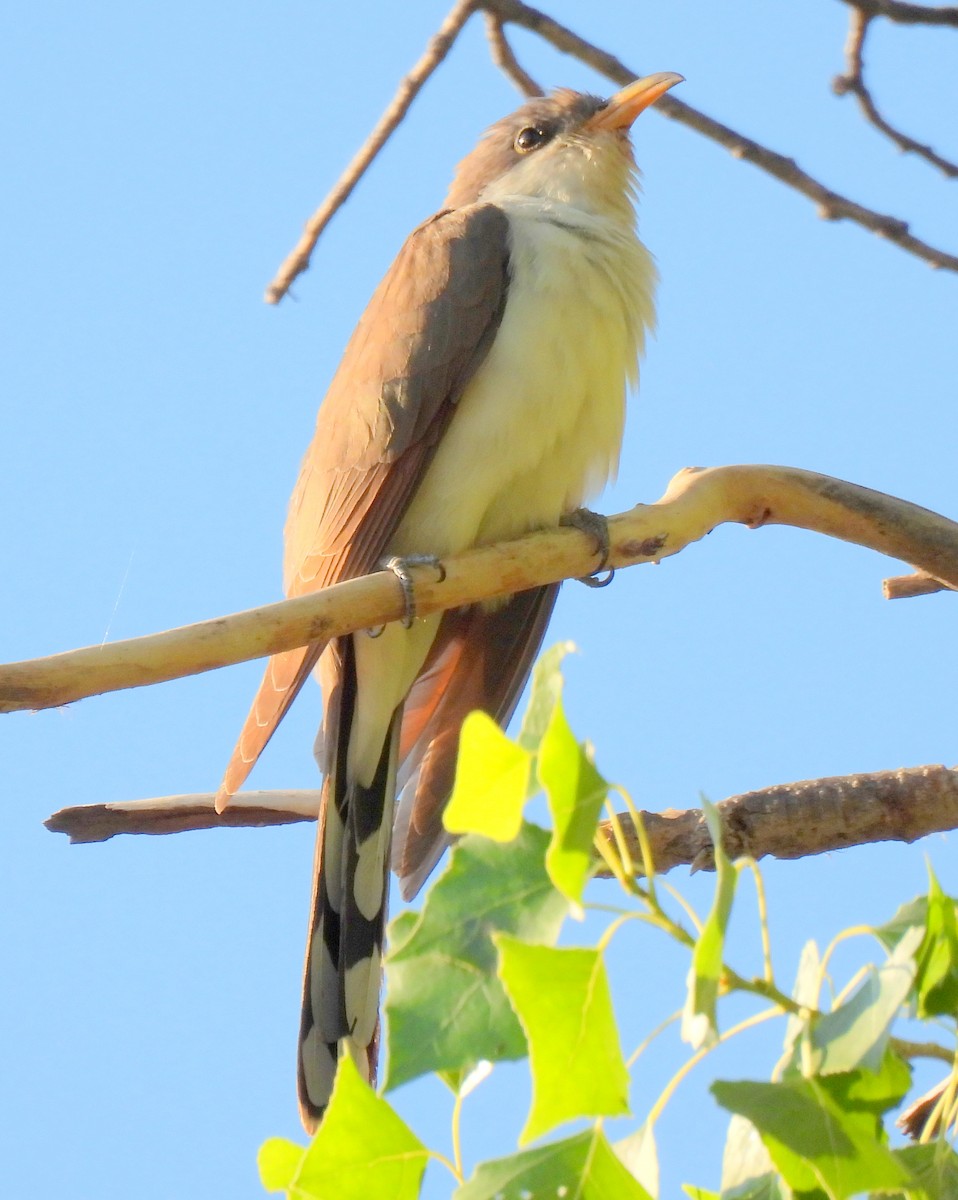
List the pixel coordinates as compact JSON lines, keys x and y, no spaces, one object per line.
{"x":504,"y":57}
{"x":908,"y":14}
{"x":906,"y":587}
{"x":831,"y":205}
{"x":696,"y":501}
{"x":439,"y":46}
{"x":853,"y":82}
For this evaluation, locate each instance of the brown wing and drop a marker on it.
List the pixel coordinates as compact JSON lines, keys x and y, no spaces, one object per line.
{"x":480,"y":659}
{"x":426,"y":329}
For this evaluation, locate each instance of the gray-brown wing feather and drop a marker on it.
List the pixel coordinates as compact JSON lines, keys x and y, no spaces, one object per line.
{"x":426,"y":329}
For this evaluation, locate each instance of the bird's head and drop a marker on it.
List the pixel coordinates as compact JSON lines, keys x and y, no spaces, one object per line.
{"x":569,"y":147}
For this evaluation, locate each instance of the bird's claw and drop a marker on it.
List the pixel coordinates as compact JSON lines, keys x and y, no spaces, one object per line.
{"x":400,"y":567}
{"x":596,"y":526}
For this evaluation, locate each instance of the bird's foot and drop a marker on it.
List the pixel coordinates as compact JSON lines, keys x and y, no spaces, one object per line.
{"x":596,"y":526}
{"x":400,"y":567}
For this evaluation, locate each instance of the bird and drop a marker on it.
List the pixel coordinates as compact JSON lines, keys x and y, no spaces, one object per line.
{"x":481,"y":397}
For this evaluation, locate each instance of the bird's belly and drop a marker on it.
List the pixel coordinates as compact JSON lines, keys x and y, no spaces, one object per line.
{"x":537,"y":431}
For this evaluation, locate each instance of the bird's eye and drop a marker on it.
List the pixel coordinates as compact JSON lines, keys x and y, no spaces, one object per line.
{"x":531,"y":138}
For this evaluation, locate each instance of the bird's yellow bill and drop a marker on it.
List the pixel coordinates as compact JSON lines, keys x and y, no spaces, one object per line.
{"x":626,"y":105}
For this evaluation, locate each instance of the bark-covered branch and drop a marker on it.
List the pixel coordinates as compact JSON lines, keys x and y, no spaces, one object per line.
{"x":788,"y":821}
{"x":696,"y":501}
{"x":814,"y":816}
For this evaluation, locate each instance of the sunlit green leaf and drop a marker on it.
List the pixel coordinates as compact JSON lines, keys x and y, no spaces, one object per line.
{"x":563,"y":1001}
{"x":856,"y":1033}
{"x":583,"y":1167}
{"x":699,"y":1020}
{"x":362,"y":1149}
{"x":575,"y":792}
{"x":279,"y":1161}
{"x":937,"y":982}
{"x":812,"y":1141}
{"x":492,"y":781}
{"x":544,"y":693}
{"x":445,"y":1006}
{"x":698,"y":1193}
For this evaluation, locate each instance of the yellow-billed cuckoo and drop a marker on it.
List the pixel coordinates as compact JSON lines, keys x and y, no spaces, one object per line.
{"x":481,"y":396}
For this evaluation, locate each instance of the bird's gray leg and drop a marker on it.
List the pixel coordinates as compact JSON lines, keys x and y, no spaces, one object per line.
{"x":400,"y":567}
{"x":596,"y":526}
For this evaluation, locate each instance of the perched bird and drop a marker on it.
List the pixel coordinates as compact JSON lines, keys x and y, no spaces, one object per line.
{"x":481,"y":396}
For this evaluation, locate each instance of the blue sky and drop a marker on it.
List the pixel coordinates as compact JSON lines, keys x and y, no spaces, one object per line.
{"x":161,"y":161}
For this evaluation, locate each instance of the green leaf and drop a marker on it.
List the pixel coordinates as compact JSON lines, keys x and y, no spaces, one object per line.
{"x":445,"y":1006}
{"x":575,"y":792}
{"x":934,"y":1168}
{"x":362,"y":1149}
{"x":745,"y":1160}
{"x":805,"y":992}
{"x":544,"y":693}
{"x":856,"y":1033}
{"x":492,"y":782}
{"x":563,"y":1001}
{"x":768,"y":1187}
{"x":813,"y":1143}
{"x":937,"y":983}
{"x":583,"y":1167}
{"x":915,"y":912}
{"x":698,"y":1193}
{"x":699,"y":1020}
{"x":279,"y":1161}
{"x":637,"y":1152}
{"x":870,"y":1091}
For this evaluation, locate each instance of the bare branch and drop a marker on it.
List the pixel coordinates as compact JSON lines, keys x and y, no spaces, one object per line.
{"x":906,"y":587}
{"x":788,"y":821}
{"x":831,"y":205}
{"x":908,"y":14}
{"x":696,"y":501}
{"x":504,"y":57}
{"x":439,"y":46}
{"x":179,"y":814}
{"x":853,"y":81}
{"x":797,"y":820}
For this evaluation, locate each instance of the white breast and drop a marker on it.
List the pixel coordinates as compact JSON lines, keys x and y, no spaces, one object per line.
{"x":538,"y":430}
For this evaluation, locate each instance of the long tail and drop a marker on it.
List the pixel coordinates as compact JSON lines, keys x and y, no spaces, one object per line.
{"x":342,"y":975}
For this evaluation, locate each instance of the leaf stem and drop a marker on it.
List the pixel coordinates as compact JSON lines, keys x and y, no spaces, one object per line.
{"x":669,"y":1089}
{"x":761,"y":900}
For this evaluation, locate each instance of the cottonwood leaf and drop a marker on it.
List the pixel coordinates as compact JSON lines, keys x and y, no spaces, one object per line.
{"x":445,"y":1006}
{"x":563,"y":1001}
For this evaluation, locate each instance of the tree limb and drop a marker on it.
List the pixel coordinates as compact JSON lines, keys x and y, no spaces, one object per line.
{"x":788,"y":821}
{"x":797,"y":820}
{"x":696,"y":501}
